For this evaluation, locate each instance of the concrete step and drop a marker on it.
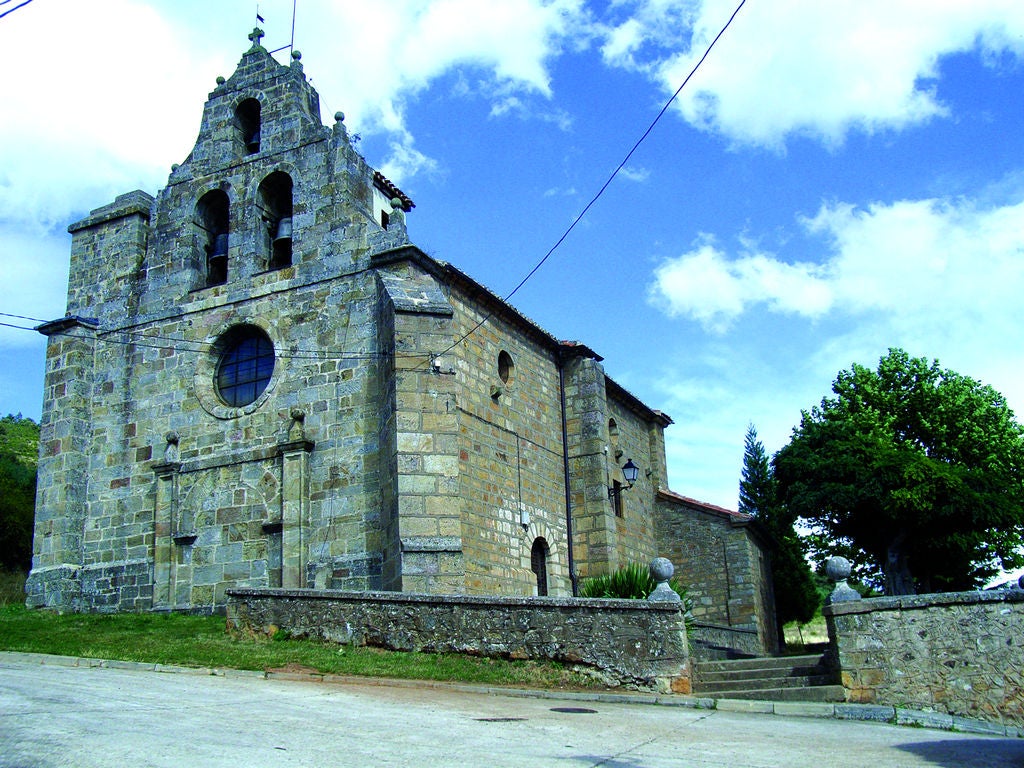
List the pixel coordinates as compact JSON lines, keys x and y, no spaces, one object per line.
{"x":781,"y":678}
{"x":759,"y":683}
{"x":823,"y":693}
{"x":762,"y":662}
{"x":706,"y":676}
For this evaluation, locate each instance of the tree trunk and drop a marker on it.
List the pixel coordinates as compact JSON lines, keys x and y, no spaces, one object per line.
{"x":898,"y":578}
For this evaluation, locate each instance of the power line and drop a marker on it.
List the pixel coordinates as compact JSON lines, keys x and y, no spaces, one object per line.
{"x":23,"y":317}
{"x":607,"y":183}
{"x":12,"y":10}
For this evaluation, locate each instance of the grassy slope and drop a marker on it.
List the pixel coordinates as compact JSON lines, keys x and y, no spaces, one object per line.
{"x":201,"y":641}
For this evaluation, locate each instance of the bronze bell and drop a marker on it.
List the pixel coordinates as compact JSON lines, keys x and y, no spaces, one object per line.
{"x":220,"y":245}
{"x":284,"y":230}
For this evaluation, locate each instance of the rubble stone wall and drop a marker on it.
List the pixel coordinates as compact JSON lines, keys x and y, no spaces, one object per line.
{"x":633,"y":642}
{"x":958,"y":653}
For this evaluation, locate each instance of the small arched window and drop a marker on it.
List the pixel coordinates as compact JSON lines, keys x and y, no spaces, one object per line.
{"x":213,"y":212}
{"x":539,"y":564}
{"x":247,"y":117}
{"x":276,"y":214}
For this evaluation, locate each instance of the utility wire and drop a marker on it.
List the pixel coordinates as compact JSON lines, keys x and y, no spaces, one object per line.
{"x":23,"y":317}
{"x":607,"y":183}
{"x":12,"y":10}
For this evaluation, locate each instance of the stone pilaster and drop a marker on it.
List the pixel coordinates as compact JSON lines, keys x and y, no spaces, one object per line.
{"x":295,"y":504}
{"x":594,"y":529}
{"x":64,"y":448}
{"x":166,"y":525}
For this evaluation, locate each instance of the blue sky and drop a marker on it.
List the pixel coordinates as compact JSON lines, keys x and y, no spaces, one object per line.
{"x":838,"y":178}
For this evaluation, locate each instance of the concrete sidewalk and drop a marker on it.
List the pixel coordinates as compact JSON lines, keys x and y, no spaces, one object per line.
{"x":115,"y":714}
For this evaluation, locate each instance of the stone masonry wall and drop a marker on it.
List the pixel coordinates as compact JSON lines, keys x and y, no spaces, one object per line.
{"x":960,"y":654}
{"x":720,"y":563}
{"x":634,"y":642}
{"x":512,"y":473}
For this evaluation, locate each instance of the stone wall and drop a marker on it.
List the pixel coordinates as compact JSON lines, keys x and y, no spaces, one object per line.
{"x":960,"y":654}
{"x":711,"y":642}
{"x":634,"y":642}
{"x":722,"y":562}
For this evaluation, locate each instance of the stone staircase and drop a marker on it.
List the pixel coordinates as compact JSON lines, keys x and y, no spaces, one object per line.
{"x":780,"y":678}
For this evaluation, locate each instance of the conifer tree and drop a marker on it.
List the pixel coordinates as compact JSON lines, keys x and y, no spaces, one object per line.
{"x":796,"y":596}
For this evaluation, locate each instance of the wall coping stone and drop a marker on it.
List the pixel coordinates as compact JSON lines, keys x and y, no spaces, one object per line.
{"x":723,"y":627}
{"x":920,"y":602}
{"x":480,"y":601}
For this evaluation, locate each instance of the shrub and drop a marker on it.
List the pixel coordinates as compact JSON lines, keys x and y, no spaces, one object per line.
{"x":632,"y":581}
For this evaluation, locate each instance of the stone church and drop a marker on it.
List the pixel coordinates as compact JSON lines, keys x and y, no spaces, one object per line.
{"x":260,"y":381}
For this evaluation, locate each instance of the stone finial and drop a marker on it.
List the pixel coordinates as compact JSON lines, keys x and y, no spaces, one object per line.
{"x":838,"y":570}
{"x":171,"y":448}
{"x":221,"y":80}
{"x":1020,"y":582}
{"x":297,"y":61}
{"x":661,"y":571}
{"x":297,"y":430}
{"x":339,"y":117}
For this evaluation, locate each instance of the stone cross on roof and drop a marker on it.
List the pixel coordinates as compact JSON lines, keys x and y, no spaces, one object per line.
{"x":256,"y":35}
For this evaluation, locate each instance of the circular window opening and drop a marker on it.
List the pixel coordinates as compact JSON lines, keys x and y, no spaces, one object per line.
{"x":245,"y":367}
{"x":506,"y":368}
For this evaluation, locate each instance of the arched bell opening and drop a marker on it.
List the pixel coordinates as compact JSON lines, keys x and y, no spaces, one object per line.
{"x":213,"y":212}
{"x":276,"y":214}
{"x":247,"y":118}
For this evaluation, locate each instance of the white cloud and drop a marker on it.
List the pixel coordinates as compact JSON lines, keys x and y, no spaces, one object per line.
{"x":633,"y":173}
{"x":705,"y":285}
{"x":819,"y":69}
{"x":923,"y":262}
{"x":413,"y":43}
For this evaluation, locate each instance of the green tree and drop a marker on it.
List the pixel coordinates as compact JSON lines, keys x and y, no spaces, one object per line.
{"x":757,"y":486}
{"x":19,"y":441}
{"x":915,"y":470}
{"x":796,"y":595}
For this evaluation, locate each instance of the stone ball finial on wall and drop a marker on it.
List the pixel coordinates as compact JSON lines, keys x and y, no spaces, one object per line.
{"x":1020,"y":581}
{"x":297,"y":429}
{"x":171,"y":447}
{"x":838,"y":570}
{"x":661,"y":571}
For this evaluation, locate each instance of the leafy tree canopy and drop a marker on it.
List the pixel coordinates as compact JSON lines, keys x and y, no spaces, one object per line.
{"x":915,"y":470}
{"x":19,"y":441}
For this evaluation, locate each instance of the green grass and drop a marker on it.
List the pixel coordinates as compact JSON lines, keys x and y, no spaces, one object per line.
{"x":814,"y":632}
{"x":202,"y":641}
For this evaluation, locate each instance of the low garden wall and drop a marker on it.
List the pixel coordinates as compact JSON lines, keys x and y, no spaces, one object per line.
{"x":633,"y":642}
{"x":960,"y":654}
{"x":714,"y":642}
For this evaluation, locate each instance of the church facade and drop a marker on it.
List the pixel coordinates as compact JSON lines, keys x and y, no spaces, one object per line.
{"x":260,"y":381}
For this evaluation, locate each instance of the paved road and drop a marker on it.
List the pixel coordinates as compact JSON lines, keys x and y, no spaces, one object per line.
{"x":89,"y":717}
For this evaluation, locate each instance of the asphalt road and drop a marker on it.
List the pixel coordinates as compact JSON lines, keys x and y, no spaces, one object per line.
{"x":88,"y":717}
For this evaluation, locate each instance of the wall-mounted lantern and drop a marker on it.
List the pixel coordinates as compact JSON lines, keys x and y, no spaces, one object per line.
{"x":630,"y":471}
